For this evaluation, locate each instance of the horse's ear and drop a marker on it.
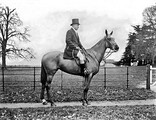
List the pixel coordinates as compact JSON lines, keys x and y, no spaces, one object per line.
{"x":111,"y":33}
{"x":106,"y":32}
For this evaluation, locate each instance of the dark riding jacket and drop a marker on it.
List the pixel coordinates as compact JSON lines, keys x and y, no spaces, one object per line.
{"x":72,"y":42}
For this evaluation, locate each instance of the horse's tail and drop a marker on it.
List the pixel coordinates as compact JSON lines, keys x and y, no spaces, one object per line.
{"x":43,"y":74}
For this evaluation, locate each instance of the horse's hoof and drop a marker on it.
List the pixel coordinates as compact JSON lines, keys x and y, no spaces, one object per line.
{"x":44,"y":102}
{"x":88,"y":103}
{"x":84,"y":104}
{"x":53,"y":105}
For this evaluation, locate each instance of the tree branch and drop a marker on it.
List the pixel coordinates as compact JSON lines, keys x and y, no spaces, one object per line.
{"x":12,"y":11}
{"x":10,"y":32}
{"x":2,"y":32}
{"x":18,"y":52}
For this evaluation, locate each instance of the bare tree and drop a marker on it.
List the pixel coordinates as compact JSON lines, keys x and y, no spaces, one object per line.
{"x":12,"y":33}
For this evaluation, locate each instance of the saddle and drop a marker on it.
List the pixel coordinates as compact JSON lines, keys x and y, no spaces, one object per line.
{"x":73,"y":56}
{"x":76,"y":59}
{"x":83,"y":67}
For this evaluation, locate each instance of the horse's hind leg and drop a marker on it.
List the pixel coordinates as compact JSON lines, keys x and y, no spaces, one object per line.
{"x":86,"y":88}
{"x":48,"y":85}
{"x":44,"y":102}
{"x":43,"y":82}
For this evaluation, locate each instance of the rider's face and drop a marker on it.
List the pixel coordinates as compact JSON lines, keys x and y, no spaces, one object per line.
{"x":75,"y":26}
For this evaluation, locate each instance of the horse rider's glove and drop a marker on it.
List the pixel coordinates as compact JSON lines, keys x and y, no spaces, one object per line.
{"x":78,"y":48}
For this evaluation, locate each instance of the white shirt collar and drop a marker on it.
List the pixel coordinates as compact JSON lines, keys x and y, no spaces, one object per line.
{"x":74,"y":29}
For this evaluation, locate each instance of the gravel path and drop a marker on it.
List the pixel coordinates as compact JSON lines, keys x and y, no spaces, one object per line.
{"x":93,"y":103}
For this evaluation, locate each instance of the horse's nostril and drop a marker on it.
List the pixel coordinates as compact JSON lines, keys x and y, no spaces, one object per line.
{"x":116,"y":47}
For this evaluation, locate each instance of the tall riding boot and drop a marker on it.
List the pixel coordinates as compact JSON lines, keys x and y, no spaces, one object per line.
{"x":84,"y":70}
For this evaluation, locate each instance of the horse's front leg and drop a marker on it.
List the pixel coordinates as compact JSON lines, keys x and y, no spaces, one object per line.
{"x":86,"y":88}
{"x":48,"y":85}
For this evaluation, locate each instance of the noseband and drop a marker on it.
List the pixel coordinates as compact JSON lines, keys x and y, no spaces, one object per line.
{"x":108,"y":53}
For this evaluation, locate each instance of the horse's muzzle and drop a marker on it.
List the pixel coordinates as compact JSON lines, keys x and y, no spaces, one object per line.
{"x":116,"y":48}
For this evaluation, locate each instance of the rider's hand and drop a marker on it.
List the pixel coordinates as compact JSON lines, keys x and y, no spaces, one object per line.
{"x":78,"y":48}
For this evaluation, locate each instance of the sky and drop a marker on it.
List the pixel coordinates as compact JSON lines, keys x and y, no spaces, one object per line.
{"x":49,"y":21}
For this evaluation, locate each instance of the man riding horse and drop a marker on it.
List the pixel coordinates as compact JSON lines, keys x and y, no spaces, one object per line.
{"x":74,"y":48}
{"x":53,"y":61}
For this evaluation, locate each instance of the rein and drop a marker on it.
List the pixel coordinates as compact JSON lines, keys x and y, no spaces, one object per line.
{"x":108,"y":54}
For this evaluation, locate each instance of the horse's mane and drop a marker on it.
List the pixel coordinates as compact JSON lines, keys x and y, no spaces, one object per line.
{"x":96,"y":49}
{"x":98,"y":43}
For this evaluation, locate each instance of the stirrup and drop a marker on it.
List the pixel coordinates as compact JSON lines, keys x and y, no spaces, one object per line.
{"x":86,"y":71}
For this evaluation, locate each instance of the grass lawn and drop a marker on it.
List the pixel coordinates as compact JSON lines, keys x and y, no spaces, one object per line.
{"x":81,"y":113}
{"x":26,"y":94}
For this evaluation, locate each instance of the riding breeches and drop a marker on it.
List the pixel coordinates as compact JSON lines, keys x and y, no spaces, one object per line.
{"x":81,"y":57}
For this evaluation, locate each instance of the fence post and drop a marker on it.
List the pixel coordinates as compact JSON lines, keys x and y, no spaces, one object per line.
{"x":34,"y":78}
{"x":105,"y":77}
{"x":3,"y":77}
{"x":150,"y":74}
{"x":61,"y":80}
{"x":148,"y":77}
{"x":127,"y":77}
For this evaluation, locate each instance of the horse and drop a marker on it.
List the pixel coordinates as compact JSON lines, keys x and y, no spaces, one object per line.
{"x":53,"y":61}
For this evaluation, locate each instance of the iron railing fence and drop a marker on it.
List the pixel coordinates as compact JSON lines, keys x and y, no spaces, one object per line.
{"x":126,"y":77}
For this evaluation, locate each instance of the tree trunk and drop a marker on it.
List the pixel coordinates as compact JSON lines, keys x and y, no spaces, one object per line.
{"x":3,"y":60}
{"x":3,"y":56}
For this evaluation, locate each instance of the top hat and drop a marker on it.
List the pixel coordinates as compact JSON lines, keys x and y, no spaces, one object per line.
{"x":75,"y":21}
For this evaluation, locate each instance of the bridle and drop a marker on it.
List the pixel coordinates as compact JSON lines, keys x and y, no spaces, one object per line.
{"x":108,"y":54}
